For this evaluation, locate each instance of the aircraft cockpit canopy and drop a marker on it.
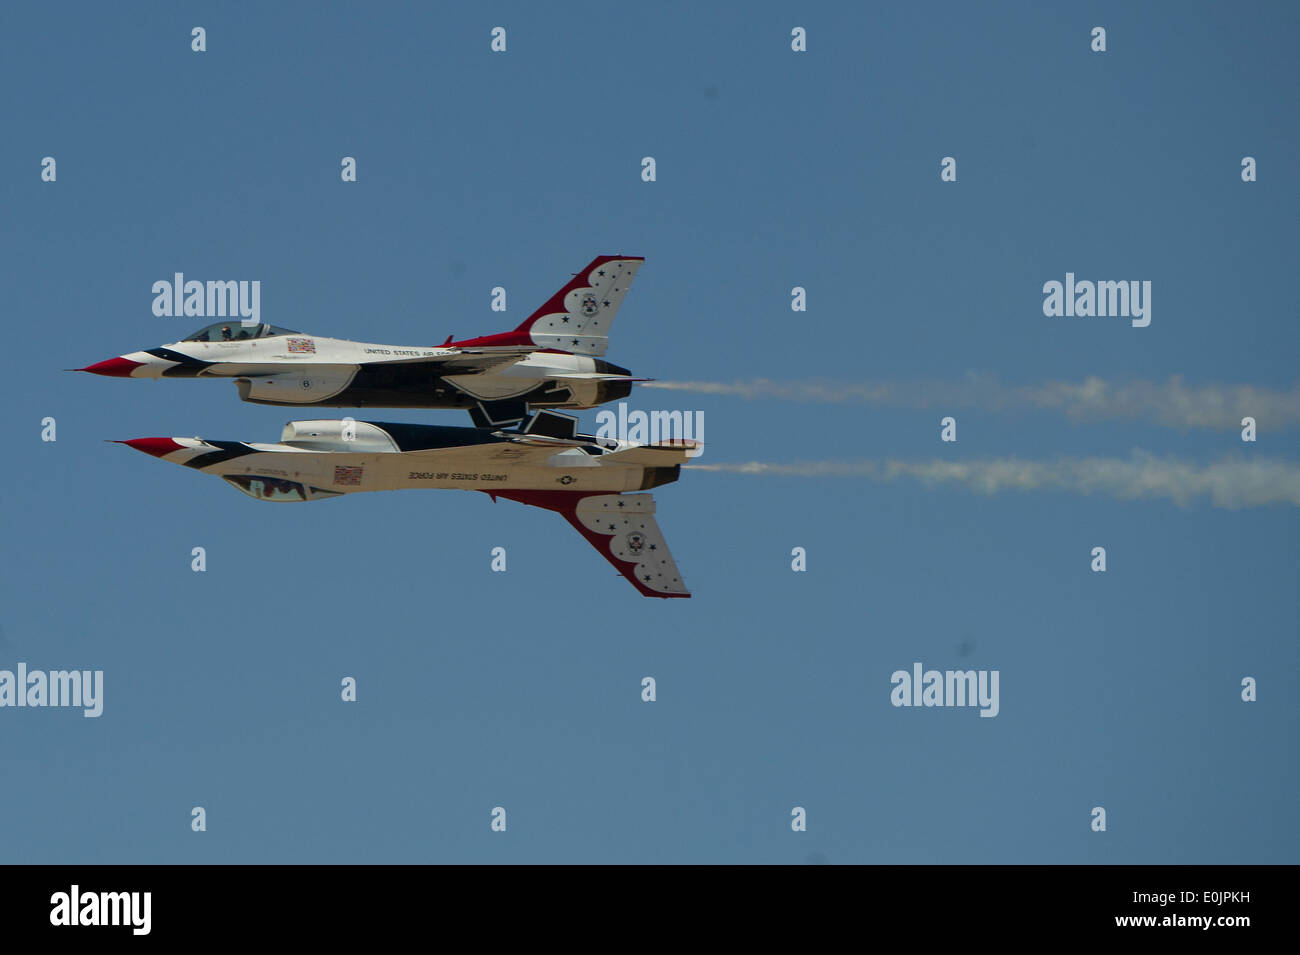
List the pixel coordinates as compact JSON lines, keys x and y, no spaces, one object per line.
{"x":234,"y":331}
{"x":266,"y":488}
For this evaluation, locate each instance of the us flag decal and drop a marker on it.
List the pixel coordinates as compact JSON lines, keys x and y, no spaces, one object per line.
{"x":302,"y":346}
{"x":347,"y":475}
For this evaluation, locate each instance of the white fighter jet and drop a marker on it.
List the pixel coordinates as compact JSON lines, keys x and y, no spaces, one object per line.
{"x":546,"y":463}
{"x":550,"y":361}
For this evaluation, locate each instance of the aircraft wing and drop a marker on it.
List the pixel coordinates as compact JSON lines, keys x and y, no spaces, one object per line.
{"x":623,"y":530}
{"x":467,"y":361}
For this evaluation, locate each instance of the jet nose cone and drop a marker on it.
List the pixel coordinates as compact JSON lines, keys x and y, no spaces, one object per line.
{"x":114,"y":367}
{"x":155,"y":446}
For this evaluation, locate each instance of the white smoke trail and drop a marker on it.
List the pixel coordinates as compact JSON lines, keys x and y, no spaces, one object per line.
{"x":1172,"y":404}
{"x":1229,"y":483}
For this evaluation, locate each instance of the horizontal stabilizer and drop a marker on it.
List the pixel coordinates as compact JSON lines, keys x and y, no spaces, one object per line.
{"x":664,"y":454}
{"x":552,"y":424}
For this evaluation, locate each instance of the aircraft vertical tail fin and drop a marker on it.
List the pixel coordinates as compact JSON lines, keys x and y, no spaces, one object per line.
{"x":623,"y":530}
{"x":578,"y":317}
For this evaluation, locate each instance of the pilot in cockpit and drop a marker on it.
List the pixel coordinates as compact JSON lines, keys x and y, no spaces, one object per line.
{"x":225,"y":333}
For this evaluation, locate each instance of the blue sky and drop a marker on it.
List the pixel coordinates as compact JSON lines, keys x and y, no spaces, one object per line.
{"x":522,"y":690}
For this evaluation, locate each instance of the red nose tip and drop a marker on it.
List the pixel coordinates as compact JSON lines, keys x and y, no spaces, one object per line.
{"x":114,"y":367}
{"x":155,"y":446}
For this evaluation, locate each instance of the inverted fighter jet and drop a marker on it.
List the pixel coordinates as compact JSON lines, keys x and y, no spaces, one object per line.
{"x":550,"y":361}
{"x":546,"y":463}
